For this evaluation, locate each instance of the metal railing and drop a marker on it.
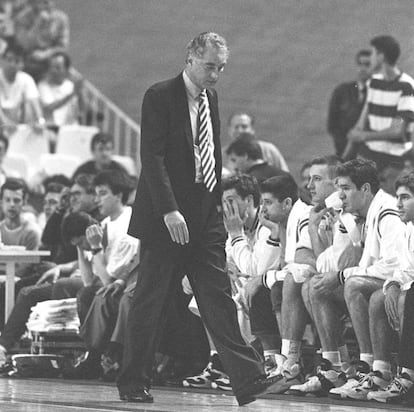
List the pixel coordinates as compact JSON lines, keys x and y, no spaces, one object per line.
{"x":100,"y":111}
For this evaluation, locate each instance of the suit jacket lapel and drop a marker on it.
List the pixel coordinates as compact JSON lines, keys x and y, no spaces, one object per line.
{"x":183,"y":113}
{"x":214,"y":115}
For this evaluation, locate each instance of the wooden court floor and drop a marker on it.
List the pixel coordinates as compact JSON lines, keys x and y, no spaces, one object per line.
{"x":37,"y":395}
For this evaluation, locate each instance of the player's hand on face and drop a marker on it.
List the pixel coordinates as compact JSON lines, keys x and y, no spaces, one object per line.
{"x":232,"y":220}
{"x":94,"y":235}
{"x":272,"y":226}
{"x":177,"y":227}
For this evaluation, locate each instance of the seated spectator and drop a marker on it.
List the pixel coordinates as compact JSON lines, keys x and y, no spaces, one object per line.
{"x":105,"y":237}
{"x":41,"y":30}
{"x":63,"y":280}
{"x":239,"y":123}
{"x":109,"y":265}
{"x":19,"y":96}
{"x":102,"y":147}
{"x":61,"y":96}
{"x":14,"y":230}
{"x":51,"y":202}
{"x":245,"y":156}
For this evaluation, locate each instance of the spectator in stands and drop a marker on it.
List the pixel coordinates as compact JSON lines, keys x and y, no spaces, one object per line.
{"x":358,"y":184}
{"x":102,"y":146}
{"x":383,"y":131}
{"x":19,"y":96}
{"x":4,"y":145}
{"x":60,"y":95}
{"x":51,"y":202}
{"x":14,"y":230}
{"x":41,"y":30}
{"x":245,"y":156}
{"x":346,"y":103}
{"x":239,"y":123}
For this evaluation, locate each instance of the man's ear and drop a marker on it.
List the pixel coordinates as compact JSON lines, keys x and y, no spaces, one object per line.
{"x":366,"y":188}
{"x":287,"y":203}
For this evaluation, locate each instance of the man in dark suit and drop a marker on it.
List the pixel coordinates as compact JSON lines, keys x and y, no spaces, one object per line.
{"x":346,"y":104}
{"x":177,"y":215}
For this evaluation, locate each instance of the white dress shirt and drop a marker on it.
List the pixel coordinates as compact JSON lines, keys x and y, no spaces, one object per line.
{"x":193,"y":93}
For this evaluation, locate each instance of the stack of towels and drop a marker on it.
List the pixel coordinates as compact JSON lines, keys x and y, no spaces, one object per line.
{"x":54,"y":316}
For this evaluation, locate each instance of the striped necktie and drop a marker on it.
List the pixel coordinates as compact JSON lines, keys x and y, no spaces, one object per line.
{"x":208,"y":163}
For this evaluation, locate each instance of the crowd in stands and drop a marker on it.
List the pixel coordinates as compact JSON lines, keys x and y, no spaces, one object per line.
{"x":323,"y":264}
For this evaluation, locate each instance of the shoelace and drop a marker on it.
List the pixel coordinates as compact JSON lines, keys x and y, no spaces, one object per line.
{"x":367,"y":380}
{"x":396,"y":386}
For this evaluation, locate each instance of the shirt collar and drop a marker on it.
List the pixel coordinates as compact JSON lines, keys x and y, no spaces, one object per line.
{"x":192,"y":90}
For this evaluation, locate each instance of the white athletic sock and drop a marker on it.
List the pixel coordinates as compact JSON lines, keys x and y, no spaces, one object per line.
{"x":384,"y":367}
{"x":409,"y":372}
{"x":294,"y":351}
{"x":368,"y":358}
{"x":285,"y":347}
{"x":213,"y":352}
{"x":334,"y":357}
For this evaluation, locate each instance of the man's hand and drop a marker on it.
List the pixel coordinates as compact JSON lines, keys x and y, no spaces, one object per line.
{"x":177,"y":227}
{"x":272,"y":226}
{"x":94,"y":235}
{"x":357,"y":136}
{"x":325,"y":283}
{"x":112,"y":289}
{"x":51,"y":275}
{"x":316,"y":214}
{"x":232,"y":220}
{"x":392,"y":295}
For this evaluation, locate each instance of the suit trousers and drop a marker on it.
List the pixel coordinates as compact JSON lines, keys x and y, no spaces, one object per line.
{"x":203,"y":260}
{"x":406,"y":353}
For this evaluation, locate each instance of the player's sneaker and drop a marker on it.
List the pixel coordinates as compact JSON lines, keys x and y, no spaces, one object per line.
{"x":320,"y":384}
{"x":269,"y":363}
{"x":399,"y":386}
{"x":291,"y":374}
{"x":373,"y":381}
{"x":206,"y":377}
{"x":222,"y":384}
{"x":354,"y":373}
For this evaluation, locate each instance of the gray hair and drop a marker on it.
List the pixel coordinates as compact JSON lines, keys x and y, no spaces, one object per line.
{"x":197,"y":46}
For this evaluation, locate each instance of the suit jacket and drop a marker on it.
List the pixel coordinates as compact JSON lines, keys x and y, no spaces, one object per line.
{"x":345,"y":108}
{"x":167,"y":156}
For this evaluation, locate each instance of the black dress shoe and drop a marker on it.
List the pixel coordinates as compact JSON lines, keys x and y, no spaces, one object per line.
{"x":138,"y":396}
{"x":256,"y":387}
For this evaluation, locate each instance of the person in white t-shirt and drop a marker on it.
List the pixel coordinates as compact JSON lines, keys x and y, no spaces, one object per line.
{"x":19,"y":96}
{"x":61,"y":96}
